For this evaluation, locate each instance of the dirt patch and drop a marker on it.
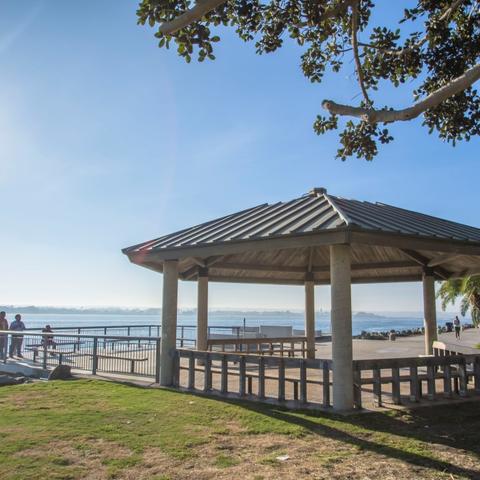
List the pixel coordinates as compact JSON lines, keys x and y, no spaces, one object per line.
{"x":265,"y":457}
{"x":92,"y":457}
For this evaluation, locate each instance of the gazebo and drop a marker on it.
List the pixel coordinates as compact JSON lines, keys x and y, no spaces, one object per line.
{"x":317,"y":239}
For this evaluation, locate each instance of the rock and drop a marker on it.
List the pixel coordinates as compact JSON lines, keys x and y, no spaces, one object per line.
{"x":60,"y":372}
{"x":8,"y":380}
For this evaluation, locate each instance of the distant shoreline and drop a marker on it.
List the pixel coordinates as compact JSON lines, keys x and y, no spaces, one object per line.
{"x":292,"y":314}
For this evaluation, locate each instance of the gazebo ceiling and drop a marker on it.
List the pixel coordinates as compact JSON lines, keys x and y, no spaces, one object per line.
{"x":285,"y":242}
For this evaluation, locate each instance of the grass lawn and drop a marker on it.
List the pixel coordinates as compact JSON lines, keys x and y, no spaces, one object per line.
{"x":92,"y":429}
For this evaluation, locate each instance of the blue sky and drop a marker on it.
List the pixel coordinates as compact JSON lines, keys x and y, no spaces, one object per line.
{"x":106,"y":141}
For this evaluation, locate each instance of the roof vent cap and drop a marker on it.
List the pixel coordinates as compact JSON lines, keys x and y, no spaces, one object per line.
{"x":317,"y":191}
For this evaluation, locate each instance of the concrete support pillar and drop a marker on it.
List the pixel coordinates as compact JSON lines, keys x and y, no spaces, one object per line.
{"x":168,"y":341}
{"x":342,"y":356}
{"x":310,"y":315}
{"x":429,"y":311}
{"x":202,"y":310}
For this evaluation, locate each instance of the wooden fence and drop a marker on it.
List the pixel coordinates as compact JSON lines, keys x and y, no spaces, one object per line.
{"x":304,"y":382}
{"x":282,"y":346}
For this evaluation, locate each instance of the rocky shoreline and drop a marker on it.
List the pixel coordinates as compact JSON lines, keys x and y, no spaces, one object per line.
{"x":392,"y":334}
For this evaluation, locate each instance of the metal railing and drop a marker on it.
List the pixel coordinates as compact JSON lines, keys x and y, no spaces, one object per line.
{"x":186,"y":334}
{"x":113,"y":354}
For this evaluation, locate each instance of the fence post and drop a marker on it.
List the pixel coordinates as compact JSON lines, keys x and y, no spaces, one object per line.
{"x":462,"y":373}
{"x":476,"y":374}
{"x":357,"y":387}
{"x":396,"y":386}
{"x":44,"y":364}
{"x":191,"y":370}
{"x":261,"y":378}
{"x":414,"y":385}
{"x":303,"y":381}
{"x":447,"y":380}
{"x":431,"y":382}
{"x":157,"y":361}
{"x":95,"y":357}
{"x":281,"y":380}
{"x":176,"y":369}
{"x":207,"y":382}
{"x":224,"y":377}
{"x":326,"y":384}
{"x":241,"y":373}
{"x":377,"y":387}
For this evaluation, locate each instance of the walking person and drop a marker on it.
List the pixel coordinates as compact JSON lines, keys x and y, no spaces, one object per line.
{"x":17,"y":340}
{"x":458,"y":327}
{"x":3,"y":336}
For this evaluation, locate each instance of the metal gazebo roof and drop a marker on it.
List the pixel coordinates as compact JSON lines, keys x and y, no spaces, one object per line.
{"x":282,"y":242}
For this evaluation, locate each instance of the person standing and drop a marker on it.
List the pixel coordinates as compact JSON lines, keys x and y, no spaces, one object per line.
{"x":16,"y":346}
{"x":458,"y":327}
{"x":3,"y":336}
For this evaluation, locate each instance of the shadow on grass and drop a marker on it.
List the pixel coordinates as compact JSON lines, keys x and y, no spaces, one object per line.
{"x":453,"y":426}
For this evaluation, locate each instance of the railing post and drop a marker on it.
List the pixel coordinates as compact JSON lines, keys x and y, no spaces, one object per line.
{"x":176,"y":369}
{"x":191,"y":371}
{"x":431,"y":382}
{"x":414,"y":386}
{"x":447,"y":380}
{"x":261,"y":378}
{"x":476,"y":374}
{"x":326,"y":384}
{"x":281,"y":380}
{"x":95,"y":356}
{"x":44,"y":341}
{"x":241,"y":372}
{"x":462,"y":373}
{"x":303,"y":381}
{"x":157,"y":361}
{"x":224,"y":376}
{"x":207,"y":382}
{"x":377,"y":387}
{"x":357,"y":387}
{"x":396,"y":386}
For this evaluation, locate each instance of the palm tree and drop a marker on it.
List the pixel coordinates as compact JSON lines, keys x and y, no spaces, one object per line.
{"x":468,"y":289}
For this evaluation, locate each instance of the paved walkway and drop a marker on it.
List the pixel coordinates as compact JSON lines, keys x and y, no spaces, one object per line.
{"x":402,"y":347}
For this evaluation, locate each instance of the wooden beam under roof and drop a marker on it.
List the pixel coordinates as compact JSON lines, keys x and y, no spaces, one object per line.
{"x":445,"y":258}
{"x":422,"y":260}
{"x":289,"y":281}
{"x":314,"y":269}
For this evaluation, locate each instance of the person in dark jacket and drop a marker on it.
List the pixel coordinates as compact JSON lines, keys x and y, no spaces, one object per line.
{"x":17,"y":340}
{"x":3,"y":336}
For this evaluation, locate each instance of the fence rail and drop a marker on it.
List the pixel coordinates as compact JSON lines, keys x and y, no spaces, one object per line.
{"x":283,"y":346}
{"x":413,"y":379}
{"x":263,"y":377}
{"x":309,"y":382}
{"x":267,"y":378}
{"x":112,"y":354}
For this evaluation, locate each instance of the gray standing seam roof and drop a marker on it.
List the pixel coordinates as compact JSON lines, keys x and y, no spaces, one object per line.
{"x":311,"y":213}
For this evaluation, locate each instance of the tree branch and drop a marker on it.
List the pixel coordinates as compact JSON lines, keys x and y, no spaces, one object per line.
{"x":443,"y":17}
{"x":201,"y":8}
{"x":431,"y":101}
{"x":358,"y":64}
